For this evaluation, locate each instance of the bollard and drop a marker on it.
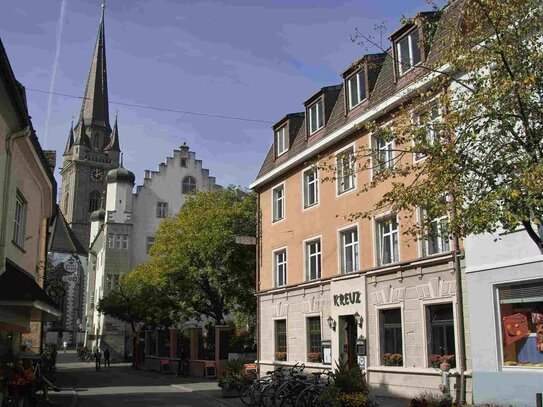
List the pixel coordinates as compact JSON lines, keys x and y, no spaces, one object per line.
{"x":538,"y":400}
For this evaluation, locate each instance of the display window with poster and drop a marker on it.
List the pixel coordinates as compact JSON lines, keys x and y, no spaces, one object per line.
{"x":521,"y":323}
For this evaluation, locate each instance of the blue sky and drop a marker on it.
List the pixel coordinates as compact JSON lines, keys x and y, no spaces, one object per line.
{"x":243,"y":58}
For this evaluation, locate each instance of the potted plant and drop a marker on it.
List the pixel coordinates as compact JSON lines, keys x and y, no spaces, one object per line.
{"x":447,"y":361}
{"x":233,"y":379}
{"x":280,"y":356}
{"x":393,"y":359}
{"x":314,"y":357}
{"x":435,"y":360}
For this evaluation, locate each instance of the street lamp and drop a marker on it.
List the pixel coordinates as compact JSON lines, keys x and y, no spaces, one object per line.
{"x":331,"y":323}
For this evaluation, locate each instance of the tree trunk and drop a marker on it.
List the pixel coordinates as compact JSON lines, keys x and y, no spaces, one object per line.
{"x":533,"y":234}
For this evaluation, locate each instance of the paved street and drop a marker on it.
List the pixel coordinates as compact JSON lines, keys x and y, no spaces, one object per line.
{"x":120,"y":386}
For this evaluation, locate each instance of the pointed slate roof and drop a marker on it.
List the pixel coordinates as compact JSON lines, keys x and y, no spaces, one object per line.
{"x":81,"y":138}
{"x":113,"y":144}
{"x":70,"y":142}
{"x":63,"y":239}
{"x":94,"y":111}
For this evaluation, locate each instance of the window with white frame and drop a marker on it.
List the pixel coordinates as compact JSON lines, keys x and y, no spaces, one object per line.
{"x":278,"y":198}
{"x":387,"y":241}
{"x":314,"y":347}
{"x":19,"y":220}
{"x":316,"y":116}
{"x":281,"y":145}
{"x":357,"y":89}
{"x":313,"y":259}
{"x":311,"y":187}
{"x":428,"y":129}
{"x":280,"y":326}
{"x":188,"y":185}
{"x":125,"y":242}
{"x":348,"y":243}
{"x":440,"y":334}
{"x":161,"y":209}
{"x":118,"y":241}
{"x":391,"y":337}
{"x":437,"y":239}
{"x":383,"y":154}
{"x":521,"y":323}
{"x":345,"y":163}
{"x":408,"y":51}
{"x":280,"y":266}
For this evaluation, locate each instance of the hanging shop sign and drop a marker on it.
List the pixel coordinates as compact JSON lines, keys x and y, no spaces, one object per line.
{"x":353,"y":297}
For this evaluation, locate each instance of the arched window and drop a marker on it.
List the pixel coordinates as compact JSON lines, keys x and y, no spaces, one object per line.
{"x":189,"y":184}
{"x":94,"y":201}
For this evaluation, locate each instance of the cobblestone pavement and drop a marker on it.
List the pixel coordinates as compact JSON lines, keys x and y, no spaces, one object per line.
{"x":120,"y":385}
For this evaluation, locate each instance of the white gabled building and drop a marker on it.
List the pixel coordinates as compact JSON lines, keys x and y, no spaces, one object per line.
{"x":124,"y":228}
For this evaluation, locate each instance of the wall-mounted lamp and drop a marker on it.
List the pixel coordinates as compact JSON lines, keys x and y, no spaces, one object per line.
{"x":358,"y":318}
{"x":331,"y":323}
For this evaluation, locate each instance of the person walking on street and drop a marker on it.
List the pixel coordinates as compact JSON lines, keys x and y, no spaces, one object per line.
{"x":97,"y":358}
{"x":106,"y":358}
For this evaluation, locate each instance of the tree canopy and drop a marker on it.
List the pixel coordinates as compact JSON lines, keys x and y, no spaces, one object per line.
{"x":196,"y":261}
{"x":480,"y":156}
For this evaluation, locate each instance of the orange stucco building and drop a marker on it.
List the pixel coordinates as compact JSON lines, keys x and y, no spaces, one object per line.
{"x":332,"y":285}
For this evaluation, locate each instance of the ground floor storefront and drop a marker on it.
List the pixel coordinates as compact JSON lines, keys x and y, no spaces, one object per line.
{"x":398,"y":324}
{"x":506,"y":315}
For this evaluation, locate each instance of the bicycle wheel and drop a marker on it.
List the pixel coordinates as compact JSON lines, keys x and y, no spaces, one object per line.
{"x":307,"y":397}
{"x":267,"y":396}
{"x":287,"y":393}
{"x":245,"y":395}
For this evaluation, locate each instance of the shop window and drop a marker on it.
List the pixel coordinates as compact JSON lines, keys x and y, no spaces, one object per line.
{"x":440,"y":331}
{"x":281,"y":340}
{"x":521,"y":322}
{"x":391,"y":337}
{"x":314,"y":351}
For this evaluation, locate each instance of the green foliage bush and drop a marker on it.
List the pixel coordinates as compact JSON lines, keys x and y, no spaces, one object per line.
{"x":50,"y":353}
{"x":235,"y":376}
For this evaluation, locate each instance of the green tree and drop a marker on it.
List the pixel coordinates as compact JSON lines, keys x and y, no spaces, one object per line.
{"x":483,"y":162}
{"x":197,"y":261}
{"x":137,"y":300}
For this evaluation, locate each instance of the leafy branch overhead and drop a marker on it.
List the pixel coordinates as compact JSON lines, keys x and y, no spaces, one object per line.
{"x":469,"y":143}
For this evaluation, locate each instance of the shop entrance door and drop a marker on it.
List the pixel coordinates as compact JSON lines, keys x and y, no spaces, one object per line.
{"x":347,"y":339}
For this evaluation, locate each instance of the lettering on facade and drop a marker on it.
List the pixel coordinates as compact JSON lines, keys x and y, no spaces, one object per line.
{"x":347,"y":298}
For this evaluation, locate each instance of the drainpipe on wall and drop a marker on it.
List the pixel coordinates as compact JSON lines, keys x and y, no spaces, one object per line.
{"x":5,"y":188}
{"x":258,"y":242}
{"x":460,"y":312}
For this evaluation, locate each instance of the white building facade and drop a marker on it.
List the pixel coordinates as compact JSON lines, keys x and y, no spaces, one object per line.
{"x":505,"y":290}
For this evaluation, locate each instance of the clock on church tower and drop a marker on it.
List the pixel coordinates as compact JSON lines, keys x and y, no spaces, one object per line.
{"x":96,"y":175}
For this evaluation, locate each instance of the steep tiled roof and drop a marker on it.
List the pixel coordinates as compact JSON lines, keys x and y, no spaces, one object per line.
{"x":385,"y":87}
{"x":63,"y":239}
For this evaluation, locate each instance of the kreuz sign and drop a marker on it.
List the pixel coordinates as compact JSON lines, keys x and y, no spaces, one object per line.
{"x":347,"y":298}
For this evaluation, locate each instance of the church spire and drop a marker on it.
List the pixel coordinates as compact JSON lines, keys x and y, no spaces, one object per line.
{"x":70,"y":142}
{"x":113,"y":144}
{"x":95,"y":109}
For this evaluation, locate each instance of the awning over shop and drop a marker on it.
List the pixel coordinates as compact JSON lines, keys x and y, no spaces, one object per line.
{"x":21,"y":295}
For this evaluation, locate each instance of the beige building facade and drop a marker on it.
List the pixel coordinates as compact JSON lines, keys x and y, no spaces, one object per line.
{"x":332,"y":285}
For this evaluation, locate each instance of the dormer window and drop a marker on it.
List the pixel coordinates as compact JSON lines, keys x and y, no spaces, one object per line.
{"x":357,"y":89}
{"x":316,"y":116}
{"x":408,"y":52}
{"x":281,"y":145}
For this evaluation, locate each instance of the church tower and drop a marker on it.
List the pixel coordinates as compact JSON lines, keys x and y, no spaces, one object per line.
{"x":92,"y":148}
